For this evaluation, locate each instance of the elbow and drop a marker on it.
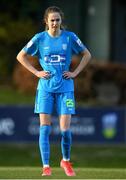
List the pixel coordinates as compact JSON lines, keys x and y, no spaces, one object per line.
{"x":89,"y":56}
{"x":17,"y":57}
{"x":20,"y":56}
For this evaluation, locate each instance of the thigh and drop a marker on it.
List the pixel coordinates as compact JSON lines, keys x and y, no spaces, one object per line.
{"x":44,"y":102}
{"x":65,"y":103}
{"x":65,"y":121}
{"x":45,"y":119}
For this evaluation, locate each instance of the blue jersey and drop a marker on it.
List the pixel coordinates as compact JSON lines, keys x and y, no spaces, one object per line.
{"x":55,"y":54}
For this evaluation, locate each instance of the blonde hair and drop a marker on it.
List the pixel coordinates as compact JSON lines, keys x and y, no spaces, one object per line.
{"x":53,"y":9}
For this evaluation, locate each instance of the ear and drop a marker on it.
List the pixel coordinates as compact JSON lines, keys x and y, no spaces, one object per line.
{"x":46,"y":21}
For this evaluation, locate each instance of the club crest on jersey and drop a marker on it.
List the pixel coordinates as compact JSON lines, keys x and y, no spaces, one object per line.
{"x":64,"y":46}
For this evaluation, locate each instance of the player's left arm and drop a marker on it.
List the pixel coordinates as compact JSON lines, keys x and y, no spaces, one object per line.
{"x":86,"y":57}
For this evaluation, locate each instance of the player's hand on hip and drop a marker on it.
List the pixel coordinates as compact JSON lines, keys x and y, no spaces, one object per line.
{"x":68,"y":74}
{"x":43,"y":74}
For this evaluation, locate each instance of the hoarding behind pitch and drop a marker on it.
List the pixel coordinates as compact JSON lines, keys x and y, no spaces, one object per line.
{"x":89,"y":125}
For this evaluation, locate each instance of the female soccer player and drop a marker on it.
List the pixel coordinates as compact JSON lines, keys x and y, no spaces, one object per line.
{"x":54,"y":48}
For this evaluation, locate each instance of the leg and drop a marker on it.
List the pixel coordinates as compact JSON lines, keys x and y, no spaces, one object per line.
{"x":66,"y":107}
{"x":44,"y":106}
{"x":45,"y":119}
{"x":66,"y":136}
{"x":44,"y":145}
{"x":66,"y":144}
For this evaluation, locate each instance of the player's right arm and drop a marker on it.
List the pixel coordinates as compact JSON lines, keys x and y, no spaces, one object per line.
{"x":23,"y":58}
{"x":31,"y":49}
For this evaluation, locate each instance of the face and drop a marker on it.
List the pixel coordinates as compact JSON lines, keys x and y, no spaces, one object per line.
{"x":54,"y":21}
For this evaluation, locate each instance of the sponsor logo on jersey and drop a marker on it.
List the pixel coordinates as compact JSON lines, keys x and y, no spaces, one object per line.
{"x":54,"y":58}
{"x":69,"y":103}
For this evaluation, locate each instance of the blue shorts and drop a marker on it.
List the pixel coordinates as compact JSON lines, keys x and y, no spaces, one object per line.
{"x":46,"y":101}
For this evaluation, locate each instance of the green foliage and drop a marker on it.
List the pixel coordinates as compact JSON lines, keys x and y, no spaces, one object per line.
{"x":10,"y":96}
{"x":13,"y":35}
{"x":18,"y":23}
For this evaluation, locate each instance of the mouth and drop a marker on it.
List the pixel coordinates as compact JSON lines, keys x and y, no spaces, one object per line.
{"x":54,"y":27}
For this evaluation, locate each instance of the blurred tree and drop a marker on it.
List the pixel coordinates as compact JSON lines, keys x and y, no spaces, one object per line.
{"x":13,"y":35}
{"x":19,"y":22}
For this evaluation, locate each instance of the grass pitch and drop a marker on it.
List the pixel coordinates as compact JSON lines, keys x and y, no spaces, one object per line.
{"x":22,"y":161}
{"x":57,"y":173}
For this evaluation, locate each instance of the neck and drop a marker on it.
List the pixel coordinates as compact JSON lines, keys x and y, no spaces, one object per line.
{"x":54,"y":33}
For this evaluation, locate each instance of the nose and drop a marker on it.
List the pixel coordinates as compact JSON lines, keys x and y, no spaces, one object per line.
{"x":55,"y":22}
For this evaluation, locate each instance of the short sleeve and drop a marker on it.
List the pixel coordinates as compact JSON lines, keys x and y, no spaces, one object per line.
{"x":77,"y":45}
{"x":31,"y":47}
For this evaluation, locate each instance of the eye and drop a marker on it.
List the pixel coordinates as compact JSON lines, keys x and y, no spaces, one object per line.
{"x":57,"y":20}
{"x":52,"y":20}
